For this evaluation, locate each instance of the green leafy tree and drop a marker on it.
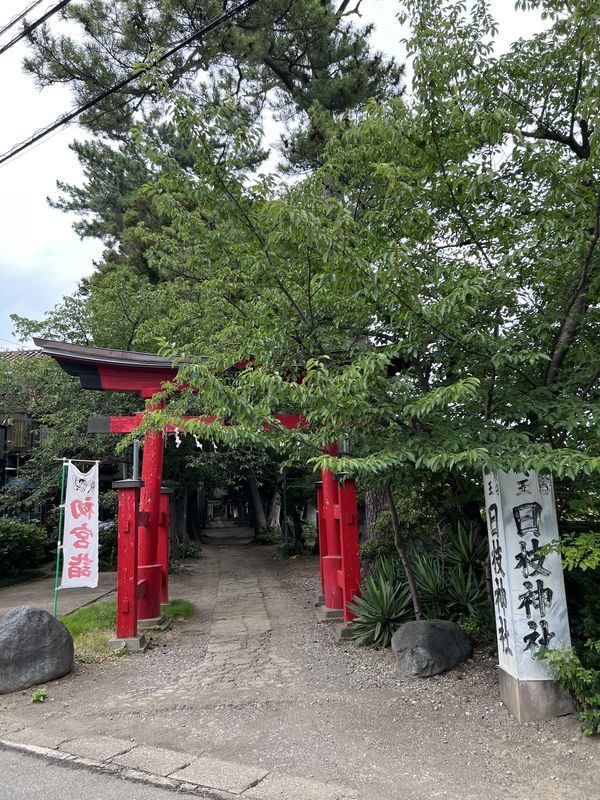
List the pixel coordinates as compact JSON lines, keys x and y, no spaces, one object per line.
{"x":56,"y":404}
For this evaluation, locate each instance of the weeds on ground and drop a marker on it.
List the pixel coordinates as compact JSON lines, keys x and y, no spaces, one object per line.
{"x":178,"y":609}
{"x":39,"y":695}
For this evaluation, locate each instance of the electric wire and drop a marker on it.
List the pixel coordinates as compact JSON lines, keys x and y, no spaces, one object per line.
{"x":216,"y":22}
{"x":30,"y":28}
{"x":19,"y":17}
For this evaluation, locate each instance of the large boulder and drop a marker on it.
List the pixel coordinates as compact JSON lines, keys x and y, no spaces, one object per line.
{"x":428,"y":647}
{"x":34,"y":648}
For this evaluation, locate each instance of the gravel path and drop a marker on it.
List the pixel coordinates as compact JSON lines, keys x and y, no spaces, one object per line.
{"x":253,"y":678}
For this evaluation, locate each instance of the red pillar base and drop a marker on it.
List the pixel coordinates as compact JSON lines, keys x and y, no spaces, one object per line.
{"x":334,"y":597}
{"x":149,"y":580}
{"x":163,"y":542}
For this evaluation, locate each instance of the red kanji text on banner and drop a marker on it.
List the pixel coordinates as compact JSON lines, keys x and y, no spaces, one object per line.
{"x":80,"y":539}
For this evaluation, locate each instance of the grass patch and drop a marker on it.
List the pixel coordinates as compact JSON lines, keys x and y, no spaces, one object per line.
{"x":178,"y":609}
{"x":97,"y":616}
{"x":91,"y":627}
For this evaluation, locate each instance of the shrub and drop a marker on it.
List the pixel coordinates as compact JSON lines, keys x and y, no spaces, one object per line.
{"x":466,"y":591}
{"x":108,"y":548}
{"x":480,"y":626}
{"x":582,"y":684}
{"x":465,"y":548}
{"x":189,"y":549}
{"x":431,"y":576}
{"x":371,"y":553}
{"x":384,"y":606}
{"x":22,"y":546}
{"x":268,"y":536}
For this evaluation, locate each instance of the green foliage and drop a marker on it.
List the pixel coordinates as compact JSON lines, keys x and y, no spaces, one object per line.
{"x":268,"y":536}
{"x":175,"y":567}
{"x":178,"y":609}
{"x":372,"y":551}
{"x":480,"y":626}
{"x":583,"y":684}
{"x":583,"y":598}
{"x":108,"y":543}
{"x":464,"y":547}
{"x":466,"y":590}
{"x":189,"y":549}
{"x":380,"y":611}
{"x":309,"y":532}
{"x":579,"y":551}
{"x":450,"y":580}
{"x":22,"y":546}
{"x":97,"y":616}
{"x":39,"y":695}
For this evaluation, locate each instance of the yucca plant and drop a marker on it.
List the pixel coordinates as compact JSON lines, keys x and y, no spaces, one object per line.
{"x":466,"y":590}
{"x":431,"y":580}
{"x":465,"y":548}
{"x":381,"y":610}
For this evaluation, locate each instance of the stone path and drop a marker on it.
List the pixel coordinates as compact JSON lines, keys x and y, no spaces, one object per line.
{"x":252,"y":698}
{"x":239,"y":654}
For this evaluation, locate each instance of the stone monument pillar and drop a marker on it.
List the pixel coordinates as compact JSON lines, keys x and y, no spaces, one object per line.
{"x":529,"y":592}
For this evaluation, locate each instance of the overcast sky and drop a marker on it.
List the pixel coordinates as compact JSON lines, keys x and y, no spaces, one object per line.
{"x":41,"y":258}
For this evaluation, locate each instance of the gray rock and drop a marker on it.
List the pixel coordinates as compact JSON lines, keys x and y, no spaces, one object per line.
{"x":34,"y":648}
{"x":428,"y":647}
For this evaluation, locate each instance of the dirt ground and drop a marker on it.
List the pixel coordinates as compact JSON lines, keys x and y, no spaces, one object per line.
{"x":254,"y":678}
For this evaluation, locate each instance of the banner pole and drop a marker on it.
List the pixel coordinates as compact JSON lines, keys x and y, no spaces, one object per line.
{"x":60,"y":530}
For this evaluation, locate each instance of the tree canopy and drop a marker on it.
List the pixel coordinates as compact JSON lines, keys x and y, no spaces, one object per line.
{"x":429,"y":292}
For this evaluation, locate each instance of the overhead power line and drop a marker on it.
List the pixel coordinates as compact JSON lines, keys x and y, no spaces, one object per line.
{"x":216,"y":22}
{"x":19,"y":17}
{"x":29,"y":28}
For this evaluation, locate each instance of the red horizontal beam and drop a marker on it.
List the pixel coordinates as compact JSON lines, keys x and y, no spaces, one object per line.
{"x":130,"y":424}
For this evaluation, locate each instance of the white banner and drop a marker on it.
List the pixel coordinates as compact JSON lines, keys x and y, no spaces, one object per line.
{"x":529,"y":591}
{"x":80,"y":537}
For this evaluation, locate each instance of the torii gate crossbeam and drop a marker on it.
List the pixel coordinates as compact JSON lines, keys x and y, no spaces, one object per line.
{"x":144,"y":373}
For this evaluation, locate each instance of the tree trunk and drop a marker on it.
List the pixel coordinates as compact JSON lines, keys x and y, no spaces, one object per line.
{"x":274,"y":514}
{"x":258,"y":509}
{"x":375,"y":503}
{"x":296,"y":514}
{"x":400,"y":543}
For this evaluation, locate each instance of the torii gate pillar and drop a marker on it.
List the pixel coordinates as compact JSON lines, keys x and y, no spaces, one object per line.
{"x":143,"y":373}
{"x":149,"y":568}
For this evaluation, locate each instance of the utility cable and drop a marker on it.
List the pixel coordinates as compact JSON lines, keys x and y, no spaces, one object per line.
{"x":19,"y":17}
{"x":216,"y":22}
{"x":29,"y":28}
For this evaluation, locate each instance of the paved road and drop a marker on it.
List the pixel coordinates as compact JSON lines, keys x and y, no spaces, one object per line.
{"x":40,"y":593}
{"x":24,"y":777}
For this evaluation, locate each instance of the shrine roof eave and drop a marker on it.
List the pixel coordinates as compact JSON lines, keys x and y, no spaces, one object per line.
{"x":101,"y":355}
{"x":104,"y":368}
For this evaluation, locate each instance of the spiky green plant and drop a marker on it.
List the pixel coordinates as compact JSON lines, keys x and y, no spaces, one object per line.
{"x":380,"y":611}
{"x":464,"y":547}
{"x":466,"y":590}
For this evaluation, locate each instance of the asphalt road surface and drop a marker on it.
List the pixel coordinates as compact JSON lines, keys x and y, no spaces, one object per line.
{"x":25,"y":777}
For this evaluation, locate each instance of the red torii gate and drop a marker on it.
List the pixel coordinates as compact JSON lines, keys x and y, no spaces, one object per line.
{"x":142,"y":582}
